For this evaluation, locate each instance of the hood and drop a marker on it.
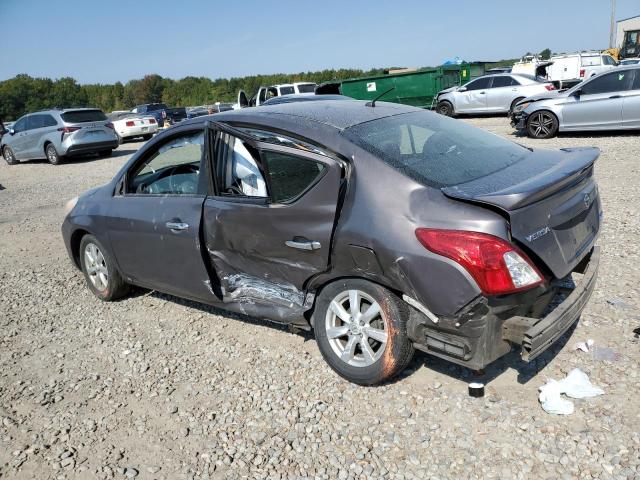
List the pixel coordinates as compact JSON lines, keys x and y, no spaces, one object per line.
{"x":447,"y":90}
{"x":543,"y":96}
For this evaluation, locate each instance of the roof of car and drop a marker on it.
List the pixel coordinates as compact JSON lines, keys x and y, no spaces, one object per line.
{"x":336,"y":113}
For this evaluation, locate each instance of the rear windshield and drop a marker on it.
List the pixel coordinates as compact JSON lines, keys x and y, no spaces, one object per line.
{"x":435,"y":150}
{"x":81,"y":116}
{"x":156,"y":106}
{"x":307,"y":88}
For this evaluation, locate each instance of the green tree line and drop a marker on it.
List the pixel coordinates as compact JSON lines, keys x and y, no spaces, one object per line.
{"x":24,"y":94}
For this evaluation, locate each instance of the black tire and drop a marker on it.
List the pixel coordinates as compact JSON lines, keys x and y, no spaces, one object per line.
{"x":114,"y":287}
{"x":386,"y":359}
{"x":148,"y":136}
{"x":513,"y":104}
{"x":9,"y":156}
{"x":445,"y":108}
{"x":52,"y":154}
{"x":542,"y":124}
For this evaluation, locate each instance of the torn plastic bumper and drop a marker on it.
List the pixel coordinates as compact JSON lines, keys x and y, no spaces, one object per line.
{"x":535,"y":334}
{"x":485,"y":329}
{"x":519,"y":121}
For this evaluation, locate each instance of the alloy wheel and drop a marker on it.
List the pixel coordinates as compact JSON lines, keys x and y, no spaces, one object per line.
{"x":541,"y":124}
{"x":52,"y":156}
{"x":9,"y":156}
{"x":356,"y":328}
{"x":96,"y":267}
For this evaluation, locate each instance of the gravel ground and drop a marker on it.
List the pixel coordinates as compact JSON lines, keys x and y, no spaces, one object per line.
{"x":157,"y":387}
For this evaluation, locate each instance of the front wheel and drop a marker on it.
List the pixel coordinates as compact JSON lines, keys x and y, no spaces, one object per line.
{"x":52,"y":155}
{"x":9,"y":156}
{"x":361,"y":330}
{"x":100,"y":273}
{"x":445,"y":108}
{"x":542,"y":124}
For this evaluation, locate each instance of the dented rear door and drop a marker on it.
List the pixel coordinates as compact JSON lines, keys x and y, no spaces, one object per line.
{"x":264,"y":249}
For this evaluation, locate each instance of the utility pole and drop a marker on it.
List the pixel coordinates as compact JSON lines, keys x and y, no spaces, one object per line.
{"x":612,"y":31}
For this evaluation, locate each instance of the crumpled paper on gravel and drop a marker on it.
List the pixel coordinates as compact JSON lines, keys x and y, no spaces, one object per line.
{"x":575,"y":385}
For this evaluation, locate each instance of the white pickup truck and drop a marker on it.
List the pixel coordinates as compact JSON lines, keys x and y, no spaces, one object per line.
{"x":265,"y":93}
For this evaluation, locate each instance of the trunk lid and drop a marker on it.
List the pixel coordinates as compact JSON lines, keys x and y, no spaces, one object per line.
{"x":551,"y":200}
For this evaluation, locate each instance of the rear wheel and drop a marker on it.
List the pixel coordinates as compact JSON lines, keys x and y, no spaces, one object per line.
{"x":52,"y":154}
{"x":100,"y":273}
{"x":514,"y":103}
{"x":361,"y":330}
{"x":445,"y":108}
{"x":9,"y":156}
{"x":542,"y":124}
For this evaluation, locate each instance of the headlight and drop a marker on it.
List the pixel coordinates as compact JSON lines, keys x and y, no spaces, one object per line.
{"x":521,"y":106}
{"x":71,"y":204}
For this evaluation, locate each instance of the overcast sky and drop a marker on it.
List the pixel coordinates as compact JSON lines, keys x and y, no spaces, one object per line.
{"x":105,"y":41}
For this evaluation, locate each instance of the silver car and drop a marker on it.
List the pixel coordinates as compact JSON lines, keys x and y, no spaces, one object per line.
{"x":607,"y":101}
{"x":489,"y":94}
{"x":55,"y":134}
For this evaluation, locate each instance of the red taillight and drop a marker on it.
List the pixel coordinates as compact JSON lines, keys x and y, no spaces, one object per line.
{"x":549,"y":87}
{"x":496,"y":265}
{"x":582,"y":73}
{"x":68,"y":129}
{"x":152,"y":120}
{"x":109,"y":125}
{"x":130,"y":124}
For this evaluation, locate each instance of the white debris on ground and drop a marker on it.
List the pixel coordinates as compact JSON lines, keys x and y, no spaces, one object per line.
{"x":154,"y":387}
{"x":575,"y":385}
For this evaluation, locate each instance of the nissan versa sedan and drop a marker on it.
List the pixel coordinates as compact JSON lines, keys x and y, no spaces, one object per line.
{"x":496,"y":93}
{"x":608,"y":101}
{"x":56,"y":134}
{"x":383,"y":228}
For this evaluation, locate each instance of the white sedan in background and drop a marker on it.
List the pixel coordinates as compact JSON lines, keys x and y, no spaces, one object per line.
{"x":129,"y":125}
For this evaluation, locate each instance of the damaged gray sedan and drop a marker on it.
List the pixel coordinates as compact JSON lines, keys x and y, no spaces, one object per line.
{"x":384,"y":228}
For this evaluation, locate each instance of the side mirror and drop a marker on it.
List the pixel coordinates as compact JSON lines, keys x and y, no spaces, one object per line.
{"x":462,"y":89}
{"x":11,"y":131}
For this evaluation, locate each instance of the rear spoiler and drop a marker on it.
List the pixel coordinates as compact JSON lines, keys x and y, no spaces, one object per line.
{"x":540,"y":175}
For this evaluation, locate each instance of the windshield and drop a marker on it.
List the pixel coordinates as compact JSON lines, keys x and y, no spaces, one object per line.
{"x":80,"y":116}
{"x":435,"y":150}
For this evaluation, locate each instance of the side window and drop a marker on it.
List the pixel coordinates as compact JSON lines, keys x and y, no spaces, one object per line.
{"x":502,"y":82}
{"x":607,"y":60}
{"x":478,"y":84}
{"x":290,"y":176}
{"x":636,"y":81}
{"x":49,"y":121}
{"x":172,"y":169}
{"x":611,"y":82}
{"x":20,"y":125}
{"x":34,"y":121}
{"x":242,"y":175}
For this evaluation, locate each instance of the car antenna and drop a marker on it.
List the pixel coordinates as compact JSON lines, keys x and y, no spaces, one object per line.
{"x":372,"y":103}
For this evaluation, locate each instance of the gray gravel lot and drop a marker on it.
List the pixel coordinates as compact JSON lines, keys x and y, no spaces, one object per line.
{"x":157,"y":387}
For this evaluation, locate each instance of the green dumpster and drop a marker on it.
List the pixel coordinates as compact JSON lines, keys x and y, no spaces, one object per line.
{"x":417,"y":88}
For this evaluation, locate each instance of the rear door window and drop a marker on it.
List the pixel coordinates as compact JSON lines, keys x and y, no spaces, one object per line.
{"x":435,"y":150}
{"x":616,"y":81}
{"x":478,"y":84}
{"x":35,"y":121}
{"x":49,"y":121}
{"x":82,"y":116}
{"x":290,"y":176}
{"x":636,"y":81}
{"x":503,"y":82}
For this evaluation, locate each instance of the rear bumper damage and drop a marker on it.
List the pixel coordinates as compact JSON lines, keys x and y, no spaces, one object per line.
{"x":487,"y":329}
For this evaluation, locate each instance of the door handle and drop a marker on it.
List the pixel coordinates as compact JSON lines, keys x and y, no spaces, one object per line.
{"x":481,"y":93}
{"x":304,"y":245}
{"x":616,"y":96}
{"x":177,"y":226}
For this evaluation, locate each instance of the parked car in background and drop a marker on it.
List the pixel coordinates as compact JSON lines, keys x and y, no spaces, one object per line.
{"x":532,"y":65}
{"x":265,"y":93}
{"x":570,"y":69}
{"x":489,"y":94}
{"x":608,"y":101}
{"x":55,"y":134}
{"x":130,"y":125}
{"x":629,"y":61}
{"x":163,"y":114}
{"x":383,"y":228}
